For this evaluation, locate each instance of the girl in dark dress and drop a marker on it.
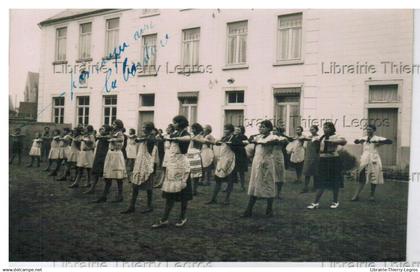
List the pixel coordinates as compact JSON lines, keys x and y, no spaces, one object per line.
{"x":241,"y":159}
{"x":99,"y":158}
{"x":177,"y":184}
{"x":330,"y":175}
{"x":311,"y":161}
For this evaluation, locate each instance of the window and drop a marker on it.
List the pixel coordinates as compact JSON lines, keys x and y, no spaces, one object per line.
{"x":147,"y":100}
{"x":60,"y":44}
{"x":190,"y":46}
{"x":58,"y":110}
{"x":110,"y":109}
{"x":84,"y":40}
{"x":149,"y":51}
{"x":112,"y":29}
{"x":289,"y":37}
{"x":234,"y":97}
{"x":188,"y":108}
{"x":149,"y":12}
{"x":383,"y":93}
{"x":287,"y":109}
{"x":82,"y":110}
{"x":237,"y":35}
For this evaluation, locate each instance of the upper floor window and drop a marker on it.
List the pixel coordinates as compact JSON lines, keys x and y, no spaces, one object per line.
{"x":60,"y":44}
{"x":58,"y":110}
{"x":190,"y":46}
{"x":85,"y":32}
{"x":237,"y":42}
{"x":383,"y":93}
{"x":289,"y":37}
{"x":149,"y":50}
{"x":112,"y":39}
{"x":149,"y":12}
{"x":82,"y":108}
{"x":147,"y":100}
{"x":234,"y":97}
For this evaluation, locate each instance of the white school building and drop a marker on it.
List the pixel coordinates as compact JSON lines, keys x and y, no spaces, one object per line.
{"x":216,"y":66}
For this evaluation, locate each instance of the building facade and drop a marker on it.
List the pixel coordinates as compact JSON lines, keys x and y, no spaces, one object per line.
{"x":295,"y":67}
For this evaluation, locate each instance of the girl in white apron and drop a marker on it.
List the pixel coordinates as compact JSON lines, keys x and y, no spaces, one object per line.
{"x":35,"y":151}
{"x":207,"y":154}
{"x":63,"y":151}
{"x":262,"y":183}
{"x":297,"y":153}
{"x":370,"y":169}
{"x":85,"y":157}
{"x":114,"y":166}
{"x":144,"y":168}
{"x":132,"y":147}
{"x":225,"y":166}
{"x":177,"y":184}
{"x":54,"y":154}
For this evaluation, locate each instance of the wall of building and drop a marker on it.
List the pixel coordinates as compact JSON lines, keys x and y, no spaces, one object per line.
{"x":342,"y":36}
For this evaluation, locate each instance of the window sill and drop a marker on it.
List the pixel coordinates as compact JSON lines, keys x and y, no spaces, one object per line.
{"x":84,"y":60}
{"x":57,"y":62}
{"x":147,"y":74}
{"x":149,"y":15}
{"x":235,"y":67}
{"x":189,"y":72}
{"x":288,"y":62}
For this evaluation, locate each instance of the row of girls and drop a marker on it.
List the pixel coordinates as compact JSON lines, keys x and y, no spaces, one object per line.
{"x":184,"y":158}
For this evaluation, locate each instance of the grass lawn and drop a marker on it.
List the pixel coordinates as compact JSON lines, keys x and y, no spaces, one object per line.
{"x":50,"y":222}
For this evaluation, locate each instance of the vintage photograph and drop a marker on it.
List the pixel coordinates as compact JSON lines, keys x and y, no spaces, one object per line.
{"x":209,"y":135}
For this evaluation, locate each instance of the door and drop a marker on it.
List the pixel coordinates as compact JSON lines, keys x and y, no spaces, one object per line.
{"x":144,"y":116}
{"x":287,"y":115}
{"x":234,"y":117}
{"x":386,"y":122}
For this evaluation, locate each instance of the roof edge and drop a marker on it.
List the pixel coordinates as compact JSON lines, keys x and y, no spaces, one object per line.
{"x":94,"y":11}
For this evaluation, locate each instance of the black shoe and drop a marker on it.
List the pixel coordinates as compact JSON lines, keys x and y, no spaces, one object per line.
{"x":148,"y":210}
{"x":64,"y":178}
{"x":118,"y":199}
{"x":46,"y":170}
{"x":226,"y":202}
{"x":89,"y":192}
{"x":304,"y":191}
{"x":52,"y":174}
{"x":269,"y":213}
{"x":246,"y":214}
{"x":211,"y":202}
{"x":100,"y":200}
{"x":29,"y":165}
{"x":129,"y":210}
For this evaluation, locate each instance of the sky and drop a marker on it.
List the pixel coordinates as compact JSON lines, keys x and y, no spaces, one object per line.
{"x":25,"y":47}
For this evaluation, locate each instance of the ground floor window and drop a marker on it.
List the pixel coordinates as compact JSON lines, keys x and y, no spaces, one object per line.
{"x":82,"y":106}
{"x":58,"y":110}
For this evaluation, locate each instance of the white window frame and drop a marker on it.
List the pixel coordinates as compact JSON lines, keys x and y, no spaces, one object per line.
{"x":149,"y":12}
{"x":84,"y":115}
{"x":109,"y":50}
{"x":110,"y":107}
{"x":60,"y":110}
{"x":234,"y":92}
{"x":238,"y":36}
{"x":149,"y":68}
{"x":289,"y":60}
{"x":189,"y":108}
{"x":191,"y":42}
{"x":57,"y":38}
{"x":87,"y":35}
